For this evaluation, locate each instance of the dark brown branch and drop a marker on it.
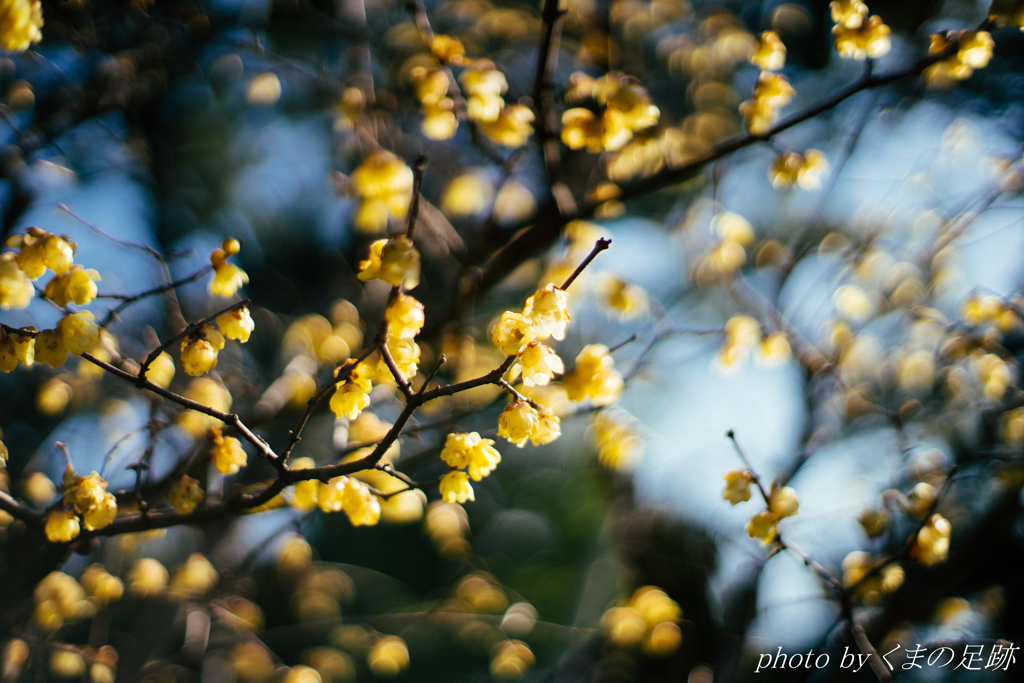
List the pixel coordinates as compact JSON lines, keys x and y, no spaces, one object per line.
{"x":600,"y":246}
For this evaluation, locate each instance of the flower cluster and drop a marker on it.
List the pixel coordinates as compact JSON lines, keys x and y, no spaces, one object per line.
{"x":86,"y":503}
{"x":620,"y":108}
{"x":227,"y":277}
{"x":383,"y":183}
{"x":856,"y":35}
{"x":466,"y":452}
{"x":1004,"y":12}
{"x":806,"y":170}
{"x":396,"y":261}
{"x":352,"y":397}
{"x":742,"y":334}
{"x":508,"y":125}
{"x":625,"y":300}
{"x":21,"y":24}
{"x":510,"y":659}
{"x":989,"y":309}
{"x":649,"y":619}
{"x":37,"y":251}
{"x":871,"y":577}
{"x":973,"y":52}
{"x":59,"y":599}
{"x":932,"y":543}
{"x":351,"y":496}
{"x":771,"y":93}
{"x":782,"y":503}
{"x":16,"y":346}
{"x":439,"y":119}
{"x":199,"y":350}
{"x":521,"y":422}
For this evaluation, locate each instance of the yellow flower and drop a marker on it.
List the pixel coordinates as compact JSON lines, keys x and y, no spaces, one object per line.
{"x":762,"y":526}
{"x":874,"y":521}
{"x":210,"y":394}
{"x":869,"y":39}
{"x":21,"y":24}
{"x":50,"y":348}
{"x":783,"y":170}
{"x":512,"y":127}
{"x":199,"y":350}
{"x":349,"y":400}
{"x":185,"y":495}
{"x":848,"y":13}
{"x":32,"y":255}
{"x":773,"y":89}
{"x":329,"y":494}
{"x":512,"y":333}
{"x":518,"y":422}
{"x":468,"y":194}
{"x":236,"y":324}
{"x":548,"y":309}
{"x":627,"y":300}
{"x":361,"y":506}
{"x":457,"y":449}
{"x":431,"y":85}
{"x":404,"y":316}
{"x":100,"y":586}
{"x":770,"y":53}
{"x":1004,"y":12}
{"x":305,"y":494}
{"x":395,"y":261}
{"x":618,"y":446}
{"x":455,"y":488}
{"x":227,"y":453}
{"x":77,"y":284}
{"x":102,"y":514}
{"x":62,"y":526}
{"x":483,"y":458}
{"x":758,"y":116}
{"x":737,"y":486}
{"x":594,"y":376}
{"x":227,"y":279}
{"x":483,"y":86}
{"x":974,"y":52}
{"x":782,"y":502}
{"x":8,"y":354}
{"x":539,"y":364}
{"x":161,"y":371}
{"x":383,"y":183}
{"x":79,"y":331}
{"x":439,"y":120}
{"x":932,"y":546}
{"x":548,"y":429}
{"x":16,"y":290}
{"x":510,"y":659}
{"x":581,"y":128}
{"x":975,"y":48}
{"x":449,"y":50}
{"x":147,"y":577}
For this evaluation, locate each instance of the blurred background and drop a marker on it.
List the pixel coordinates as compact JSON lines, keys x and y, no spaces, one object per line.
{"x":883,"y":369}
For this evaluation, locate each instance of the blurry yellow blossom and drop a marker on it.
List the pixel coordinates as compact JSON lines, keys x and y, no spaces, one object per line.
{"x":21,"y":24}
{"x":1004,"y":12}
{"x":932,"y":545}
{"x":627,"y":300}
{"x":874,"y":521}
{"x":594,"y":376}
{"x":782,"y":502}
{"x":195,"y":577}
{"x":737,"y":486}
{"x":16,"y":290}
{"x":383,"y":183}
{"x":848,"y":13}
{"x":1012,"y":426}
{"x":762,"y":526}
{"x":807,"y":170}
{"x":209,"y":393}
{"x":742,"y":333}
{"x":483,"y":86}
{"x":853,"y":303}
{"x":468,"y":194}
{"x":236,"y":324}
{"x":870,"y":38}
{"x":974,"y":52}
{"x":510,"y":659}
{"x":395,"y":261}
{"x":185,"y":495}
{"x":614,"y":433}
{"x":100,"y":586}
{"x":147,"y":577}
{"x":227,"y":453}
{"x":161,"y":370}
{"x":361,"y":506}
{"x":512,"y":128}
{"x":447,"y":49}
{"x":388,"y":657}
{"x":439,"y":120}
{"x":770,"y":53}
